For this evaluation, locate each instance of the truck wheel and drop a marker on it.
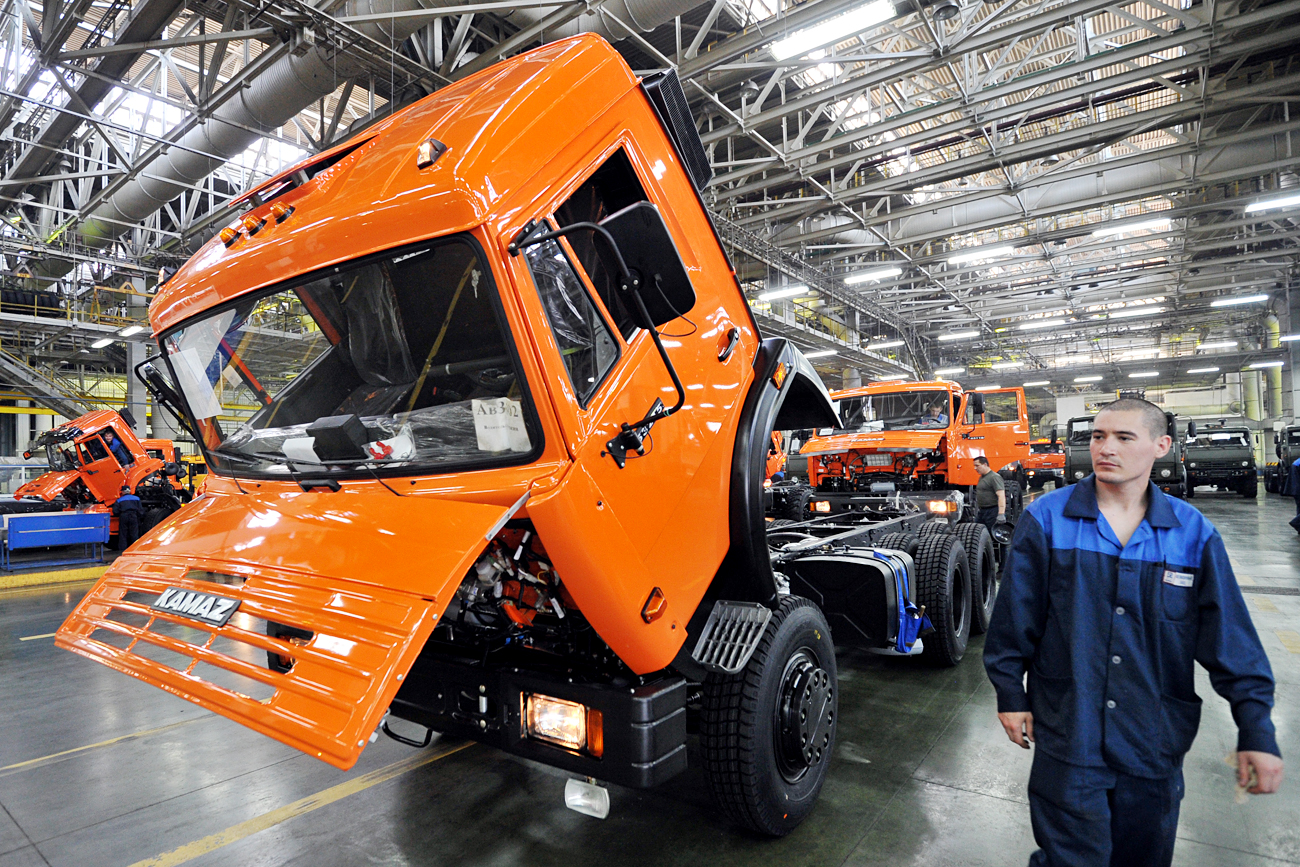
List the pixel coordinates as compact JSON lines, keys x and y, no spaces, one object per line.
{"x":905,"y":542}
{"x":982,"y":567}
{"x":153,"y":517}
{"x":767,"y":733}
{"x":1015,"y":496}
{"x":796,"y":504}
{"x":1250,"y":487}
{"x":943,"y":587}
{"x":1191,"y":490}
{"x":930,"y":528}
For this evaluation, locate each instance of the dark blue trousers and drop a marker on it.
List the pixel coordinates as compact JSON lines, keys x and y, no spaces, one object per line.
{"x":1096,"y":817}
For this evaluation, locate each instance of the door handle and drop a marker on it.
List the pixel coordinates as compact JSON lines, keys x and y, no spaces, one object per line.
{"x":733,"y":337}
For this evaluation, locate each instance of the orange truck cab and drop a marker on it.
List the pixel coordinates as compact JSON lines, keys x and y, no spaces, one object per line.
{"x":167,"y":452}
{"x":91,"y":458}
{"x":911,"y":439}
{"x":1045,"y":463}
{"x":503,"y":475}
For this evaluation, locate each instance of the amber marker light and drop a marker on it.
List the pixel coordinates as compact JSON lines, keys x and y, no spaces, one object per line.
{"x":428,"y":153}
{"x":654,"y":606}
{"x":281,"y":211}
{"x":252,"y":225}
{"x":559,"y":722}
{"x":821,"y":506}
{"x":229,"y":235}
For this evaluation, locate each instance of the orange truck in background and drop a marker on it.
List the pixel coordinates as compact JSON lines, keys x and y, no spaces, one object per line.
{"x":91,"y":458}
{"x":1046,"y":463}
{"x":479,"y":492}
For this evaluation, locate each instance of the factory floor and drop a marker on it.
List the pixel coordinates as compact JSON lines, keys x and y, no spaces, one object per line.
{"x":98,"y":769}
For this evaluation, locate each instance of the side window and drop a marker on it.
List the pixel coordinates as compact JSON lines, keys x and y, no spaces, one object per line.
{"x":612,"y":188}
{"x":586,"y":343}
{"x":95,"y":449}
{"x":1001,"y":406}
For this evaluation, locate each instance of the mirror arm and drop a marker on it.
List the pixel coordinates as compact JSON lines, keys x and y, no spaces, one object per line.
{"x":162,"y":392}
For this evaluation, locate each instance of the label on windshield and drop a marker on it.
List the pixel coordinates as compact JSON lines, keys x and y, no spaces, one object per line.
{"x":499,"y":425}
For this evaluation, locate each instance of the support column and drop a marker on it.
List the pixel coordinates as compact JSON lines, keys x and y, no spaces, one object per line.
{"x":136,"y":352}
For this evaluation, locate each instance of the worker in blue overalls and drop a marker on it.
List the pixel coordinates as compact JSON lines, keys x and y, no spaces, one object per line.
{"x":129,"y":510}
{"x":1293,"y":488}
{"x":1110,"y":592}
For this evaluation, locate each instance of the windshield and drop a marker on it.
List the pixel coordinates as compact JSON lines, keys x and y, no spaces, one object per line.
{"x":1046,"y":448}
{"x":895,"y":410}
{"x":1293,"y":437}
{"x":1080,"y":433}
{"x":1222,"y":439}
{"x":61,"y":457}
{"x":401,"y":362}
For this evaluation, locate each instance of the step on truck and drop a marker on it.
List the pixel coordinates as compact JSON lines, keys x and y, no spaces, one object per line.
{"x":502,"y":478}
{"x":1168,"y":473}
{"x":1286,"y":447}
{"x":1222,"y":456}
{"x":91,"y":458}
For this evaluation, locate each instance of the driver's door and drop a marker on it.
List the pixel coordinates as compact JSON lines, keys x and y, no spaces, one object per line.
{"x":100,"y":469}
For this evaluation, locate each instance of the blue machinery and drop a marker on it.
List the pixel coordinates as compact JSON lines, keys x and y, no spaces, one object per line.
{"x":54,"y":530}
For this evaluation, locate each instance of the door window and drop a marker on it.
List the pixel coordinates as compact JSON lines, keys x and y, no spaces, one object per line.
{"x":96,"y":451}
{"x":1001,"y":406}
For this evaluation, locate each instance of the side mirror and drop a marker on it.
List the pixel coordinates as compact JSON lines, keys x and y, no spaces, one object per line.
{"x":27,"y":456}
{"x":651,"y":257}
{"x":1191,"y":430}
{"x":1054,"y":437}
{"x":977,"y":403}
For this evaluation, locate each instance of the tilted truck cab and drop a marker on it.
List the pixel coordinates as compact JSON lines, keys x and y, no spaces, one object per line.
{"x":503,"y":472}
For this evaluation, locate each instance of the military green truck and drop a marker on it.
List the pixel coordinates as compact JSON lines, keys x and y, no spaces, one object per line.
{"x":1286,"y":445}
{"x":1168,"y":472}
{"x":1221,"y":456}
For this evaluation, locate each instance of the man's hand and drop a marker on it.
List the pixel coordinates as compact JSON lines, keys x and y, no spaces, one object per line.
{"x":1002,"y":519}
{"x":1267,"y":768}
{"x":1020,"y":728}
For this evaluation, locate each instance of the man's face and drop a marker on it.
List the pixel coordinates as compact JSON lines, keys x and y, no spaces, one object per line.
{"x":1123,"y":448}
{"x":982,"y":468}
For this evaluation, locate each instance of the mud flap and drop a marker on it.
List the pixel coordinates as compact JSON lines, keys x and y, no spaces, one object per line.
{"x":151,"y":617}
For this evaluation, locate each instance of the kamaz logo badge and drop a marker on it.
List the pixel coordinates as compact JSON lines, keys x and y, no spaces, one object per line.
{"x":213,"y":610}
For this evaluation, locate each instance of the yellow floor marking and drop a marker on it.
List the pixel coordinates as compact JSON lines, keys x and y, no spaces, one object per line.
{"x":1290,"y":640}
{"x":10,"y":580}
{"x":1245,"y":579}
{"x":27,"y":592}
{"x":31,"y":763}
{"x":34,"y":637}
{"x":1264,"y":604}
{"x":301,"y":807}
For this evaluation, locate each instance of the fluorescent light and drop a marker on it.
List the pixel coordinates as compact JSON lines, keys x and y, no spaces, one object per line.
{"x":1260,"y":364}
{"x":835,"y":29}
{"x":1287,"y":338}
{"x":888,"y":344}
{"x":1204,"y":370}
{"x":981,"y":253}
{"x":788,"y":292}
{"x":1219,"y":344}
{"x":1244,"y":299}
{"x":960,"y":335}
{"x":100,"y":344}
{"x":129,"y":330}
{"x":1067,"y":360}
{"x":1087,"y":379}
{"x":945,"y":371}
{"x":1007,"y":365}
{"x":868,"y":276}
{"x":1037,"y":382}
{"x":1104,"y":231}
{"x":821,"y":353}
{"x":988,"y":387}
{"x":1269,"y":204}
{"x":1134,"y":311}
{"x":1144,"y":374}
{"x":1042,"y":323}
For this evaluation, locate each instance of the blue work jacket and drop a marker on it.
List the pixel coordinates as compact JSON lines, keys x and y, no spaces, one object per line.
{"x":1108,"y":634}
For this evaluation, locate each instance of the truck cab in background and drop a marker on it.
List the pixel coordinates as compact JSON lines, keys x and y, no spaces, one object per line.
{"x":1168,"y":473}
{"x":1222,"y":456}
{"x":1286,"y":447}
{"x":1046,"y":463}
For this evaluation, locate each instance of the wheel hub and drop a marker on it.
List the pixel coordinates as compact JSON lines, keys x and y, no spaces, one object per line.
{"x":807,"y":716}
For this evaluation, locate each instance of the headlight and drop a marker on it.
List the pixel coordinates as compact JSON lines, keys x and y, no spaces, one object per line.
{"x":1078,"y":474}
{"x":1245,"y":463}
{"x":564,"y":723}
{"x":1192,"y":465}
{"x":1164,"y":474}
{"x":823,"y":506}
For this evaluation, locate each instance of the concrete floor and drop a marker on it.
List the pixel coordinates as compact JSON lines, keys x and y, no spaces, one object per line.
{"x":97,"y":769}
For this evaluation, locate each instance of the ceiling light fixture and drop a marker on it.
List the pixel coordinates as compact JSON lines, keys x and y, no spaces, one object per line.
{"x":888,"y":344}
{"x":1007,"y":365}
{"x":129,"y":330}
{"x":835,"y":29}
{"x":1262,"y":364}
{"x":1144,"y":374}
{"x":868,"y":276}
{"x":1219,"y":344}
{"x":1287,"y":338}
{"x":821,"y":353}
{"x":988,"y":387}
{"x":960,"y":335}
{"x":1146,"y":225}
{"x":788,"y":292}
{"x":100,"y":344}
{"x":1037,"y":382}
{"x":1129,"y":312}
{"x":1042,"y":323}
{"x":1204,"y":370}
{"x":947,"y":371}
{"x":981,"y":253}
{"x":1270,"y":204}
{"x":1087,"y":379}
{"x":1244,"y":299}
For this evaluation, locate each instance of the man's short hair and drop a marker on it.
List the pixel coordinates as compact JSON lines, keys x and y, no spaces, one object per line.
{"x":980,"y":459}
{"x":125,"y":490}
{"x":1152,"y":415}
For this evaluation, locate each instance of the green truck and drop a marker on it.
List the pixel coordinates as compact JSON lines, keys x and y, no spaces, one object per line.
{"x":1168,"y":472}
{"x":1221,"y":456}
{"x":1286,"y":445}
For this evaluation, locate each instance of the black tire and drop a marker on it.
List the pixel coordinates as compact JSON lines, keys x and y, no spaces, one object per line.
{"x":908,"y":543}
{"x":153,"y":517}
{"x":1250,"y":487}
{"x":982,"y":567}
{"x":1037,"y":483}
{"x":795,"y":507}
{"x":943,"y":587}
{"x":930,"y":528}
{"x":293,"y":635}
{"x":1191,"y":491}
{"x":763,"y":773}
{"x":1015,"y":497}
